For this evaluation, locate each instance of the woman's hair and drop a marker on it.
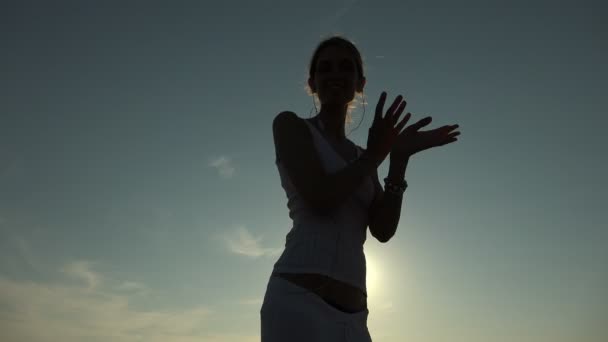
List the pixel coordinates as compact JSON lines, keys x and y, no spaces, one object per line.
{"x":342,"y":42}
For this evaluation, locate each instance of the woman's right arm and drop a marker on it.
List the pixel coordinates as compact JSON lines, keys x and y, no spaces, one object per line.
{"x":322,"y":191}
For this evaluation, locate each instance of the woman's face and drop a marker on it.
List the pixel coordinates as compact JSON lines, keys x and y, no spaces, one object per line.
{"x":336,"y":78}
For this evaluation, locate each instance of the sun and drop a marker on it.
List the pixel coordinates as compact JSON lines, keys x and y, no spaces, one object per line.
{"x":373,"y":276}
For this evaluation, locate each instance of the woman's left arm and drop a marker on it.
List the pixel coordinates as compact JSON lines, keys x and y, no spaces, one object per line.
{"x":386,"y":207}
{"x":385,"y":211}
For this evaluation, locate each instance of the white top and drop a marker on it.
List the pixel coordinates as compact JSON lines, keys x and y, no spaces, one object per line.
{"x":330,"y":245}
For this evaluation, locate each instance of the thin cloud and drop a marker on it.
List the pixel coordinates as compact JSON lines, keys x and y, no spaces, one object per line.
{"x":16,"y":252}
{"x":82,"y":270}
{"x":58,"y":311}
{"x":223,"y":165}
{"x":387,"y":306}
{"x":25,"y":251}
{"x":242,"y":242}
{"x":83,"y":304}
{"x":133,"y":287}
{"x":232,"y":338}
{"x":251,"y":301}
{"x":330,"y":21}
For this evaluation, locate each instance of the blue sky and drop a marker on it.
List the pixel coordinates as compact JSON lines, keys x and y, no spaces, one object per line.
{"x":139,"y":199}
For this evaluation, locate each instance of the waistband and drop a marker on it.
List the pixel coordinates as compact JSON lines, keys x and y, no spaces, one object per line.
{"x":282,"y":291}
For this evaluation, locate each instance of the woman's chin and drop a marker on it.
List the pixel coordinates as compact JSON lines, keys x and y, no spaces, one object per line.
{"x":336,"y":101}
{"x":328,"y":105}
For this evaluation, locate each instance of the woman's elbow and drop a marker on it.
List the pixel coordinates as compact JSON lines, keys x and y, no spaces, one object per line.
{"x":380,"y":234}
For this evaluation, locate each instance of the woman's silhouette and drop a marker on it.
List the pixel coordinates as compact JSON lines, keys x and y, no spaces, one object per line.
{"x":317,"y":290}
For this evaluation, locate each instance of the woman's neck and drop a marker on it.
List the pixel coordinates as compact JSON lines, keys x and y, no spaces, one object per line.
{"x":333,"y":120}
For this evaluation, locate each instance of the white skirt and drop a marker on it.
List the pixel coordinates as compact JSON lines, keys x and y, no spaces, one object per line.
{"x":295,"y":314}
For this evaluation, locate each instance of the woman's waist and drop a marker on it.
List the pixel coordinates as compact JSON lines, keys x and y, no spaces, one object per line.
{"x":338,"y":293}
{"x":322,"y":231}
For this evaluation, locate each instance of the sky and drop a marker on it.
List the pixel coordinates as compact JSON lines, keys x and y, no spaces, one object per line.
{"x":139,"y":199}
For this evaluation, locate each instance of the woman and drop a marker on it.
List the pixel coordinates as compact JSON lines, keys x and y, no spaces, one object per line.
{"x":317,"y":290}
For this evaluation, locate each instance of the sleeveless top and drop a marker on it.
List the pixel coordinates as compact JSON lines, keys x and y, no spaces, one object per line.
{"x":331,"y":245}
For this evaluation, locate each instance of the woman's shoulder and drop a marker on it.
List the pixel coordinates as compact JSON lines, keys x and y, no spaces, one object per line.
{"x":287,"y":116}
{"x":290,"y":132}
{"x":287,"y":120}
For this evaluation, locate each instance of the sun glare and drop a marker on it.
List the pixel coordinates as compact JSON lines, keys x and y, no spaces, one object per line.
{"x":373,"y":277}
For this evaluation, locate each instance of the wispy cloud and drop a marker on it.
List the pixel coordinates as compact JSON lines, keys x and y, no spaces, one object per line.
{"x":16,"y":253}
{"x":231,"y":338}
{"x":25,"y":251}
{"x":242,"y":242}
{"x":251,"y":301}
{"x":82,"y":270}
{"x":223,"y":165}
{"x":387,"y":306}
{"x":76,"y":302}
{"x":58,"y":311}
{"x":329,"y":22}
{"x":133,"y":287}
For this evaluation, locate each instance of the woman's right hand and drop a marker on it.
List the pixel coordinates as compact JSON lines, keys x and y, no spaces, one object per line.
{"x":384,"y":130}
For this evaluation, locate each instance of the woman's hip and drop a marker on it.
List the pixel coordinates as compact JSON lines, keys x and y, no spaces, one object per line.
{"x":290,"y":312}
{"x":340,"y":295}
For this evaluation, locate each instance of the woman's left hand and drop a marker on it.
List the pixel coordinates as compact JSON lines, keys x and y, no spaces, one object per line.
{"x":412,"y":140}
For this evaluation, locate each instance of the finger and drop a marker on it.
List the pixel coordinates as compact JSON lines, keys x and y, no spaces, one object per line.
{"x":389,"y":112}
{"x":421,"y":123}
{"x":450,"y":127}
{"x":447,"y":129}
{"x":448,"y":141}
{"x":453,"y":134}
{"x":398,"y":112}
{"x":380,"y":106}
{"x":403,"y":122}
